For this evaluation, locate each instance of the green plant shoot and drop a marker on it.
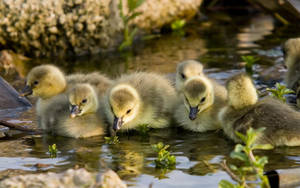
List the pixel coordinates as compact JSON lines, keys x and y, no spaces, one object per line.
{"x":52,"y":150}
{"x":280,"y":91}
{"x":129,"y":32}
{"x":143,"y":129}
{"x":178,"y":24}
{"x":250,"y":61}
{"x":112,"y":140}
{"x":251,"y":165}
{"x":164,"y":159}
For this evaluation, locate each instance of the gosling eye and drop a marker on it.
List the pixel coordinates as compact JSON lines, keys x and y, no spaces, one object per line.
{"x":203,"y":99}
{"x":182,"y":76}
{"x":128,"y":111}
{"x":35,"y":83}
{"x":84,"y":101}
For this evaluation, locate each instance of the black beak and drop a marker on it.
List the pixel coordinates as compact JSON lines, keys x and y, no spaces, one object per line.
{"x":193,"y":112}
{"x":117,"y":123}
{"x":27,"y":90}
{"x":74,"y":110}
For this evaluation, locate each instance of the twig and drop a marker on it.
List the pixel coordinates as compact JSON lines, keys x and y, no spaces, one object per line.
{"x":20,"y":128}
{"x":208,"y":165}
{"x":252,"y":160}
{"x":231,"y":174}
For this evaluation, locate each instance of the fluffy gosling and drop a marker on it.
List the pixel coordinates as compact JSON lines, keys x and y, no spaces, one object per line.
{"x":45,"y":81}
{"x":200,"y":104}
{"x":186,"y":70}
{"x":75,"y":114}
{"x":99,"y":82}
{"x":291,"y":51}
{"x":244,"y":111}
{"x":140,"y":98}
{"x":48,"y":81}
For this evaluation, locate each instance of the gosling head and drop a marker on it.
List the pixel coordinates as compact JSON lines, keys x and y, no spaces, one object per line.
{"x":125,"y":104}
{"x":241,"y":91}
{"x":198,"y":95}
{"x":83,"y":100}
{"x":186,"y":70}
{"x":291,"y":51}
{"x":44,"y":81}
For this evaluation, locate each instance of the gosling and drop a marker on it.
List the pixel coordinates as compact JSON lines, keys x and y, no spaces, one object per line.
{"x":243,"y":110}
{"x":75,"y":114}
{"x":191,"y":68}
{"x":291,"y":51}
{"x":200,"y":104}
{"x":99,"y":82}
{"x":140,"y":98}
{"x":186,"y":70}
{"x":47,"y":81}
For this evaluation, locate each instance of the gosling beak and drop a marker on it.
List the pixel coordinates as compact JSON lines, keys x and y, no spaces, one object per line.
{"x":74,"y":110}
{"x":117,"y":123}
{"x":27,"y":90}
{"x":193,"y":112}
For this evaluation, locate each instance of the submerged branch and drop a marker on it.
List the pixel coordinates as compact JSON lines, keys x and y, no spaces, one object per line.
{"x":20,"y":128}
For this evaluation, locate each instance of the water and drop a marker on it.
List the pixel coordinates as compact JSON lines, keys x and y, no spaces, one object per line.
{"x":218,"y":44}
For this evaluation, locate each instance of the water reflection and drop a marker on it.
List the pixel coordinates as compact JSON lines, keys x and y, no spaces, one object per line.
{"x":258,"y":27}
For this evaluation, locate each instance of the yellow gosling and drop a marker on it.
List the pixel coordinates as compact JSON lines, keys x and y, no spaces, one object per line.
{"x":48,"y":81}
{"x":140,"y":98}
{"x":186,"y":70}
{"x":201,"y":101}
{"x":75,"y":114}
{"x":99,"y":82}
{"x":243,"y":111}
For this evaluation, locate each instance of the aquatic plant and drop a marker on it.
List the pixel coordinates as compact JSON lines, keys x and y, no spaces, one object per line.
{"x":251,"y":165}
{"x":164,"y":159}
{"x":177,"y":26}
{"x":250,"y":61}
{"x":112,"y":140}
{"x":129,"y":32}
{"x":143,"y":129}
{"x":280,"y":91}
{"x":52,"y":150}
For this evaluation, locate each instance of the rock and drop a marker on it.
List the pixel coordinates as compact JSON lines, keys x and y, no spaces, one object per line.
{"x":157,"y":13}
{"x":110,"y":179}
{"x":12,"y":64}
{"x":70,"y":178}
{"x":75,"y":27}
{"x":10,"y":101}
